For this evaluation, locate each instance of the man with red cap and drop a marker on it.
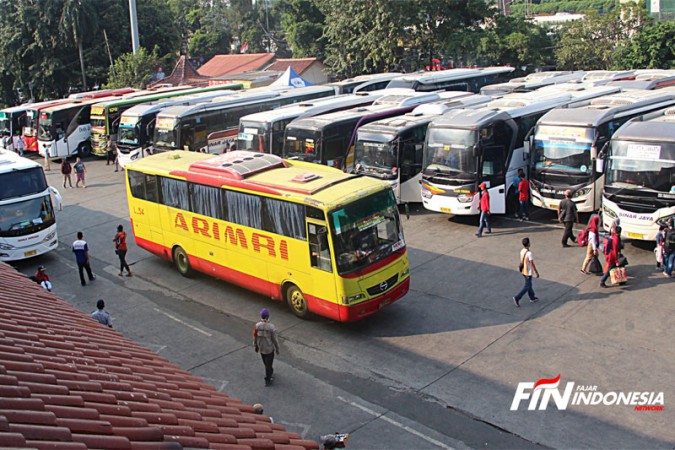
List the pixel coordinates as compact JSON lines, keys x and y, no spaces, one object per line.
{"x":265,"y":343}
{"x":484,"y":221}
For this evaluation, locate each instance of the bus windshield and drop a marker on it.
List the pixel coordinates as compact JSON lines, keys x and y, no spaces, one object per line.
{"x":98,"y":121}
{"x":401,"y":84}
{"x":29,"y":216}
{"x":365,"y":231}
{"x":564,"y":149}
{"x":304,"y":145}
{"x":45,"y":132}
{"x":21,"y":183}
{"x":450,"y":151}
{"x":128,"y":135}
{"x":376,"y":154}
{"x":642,"y":166}
{"x":253,"y":136}
{"x":166,"y":138}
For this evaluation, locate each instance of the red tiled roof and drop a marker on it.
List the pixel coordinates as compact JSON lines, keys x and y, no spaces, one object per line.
{"x":221,"y":65}
{"x":298,"y":64}
{"x":67,"y":382}
{"x":183,"y":73}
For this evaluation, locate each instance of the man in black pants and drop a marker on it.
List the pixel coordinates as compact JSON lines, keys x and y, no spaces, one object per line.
{"x":568,"y":215}
{"x":265,"y":342}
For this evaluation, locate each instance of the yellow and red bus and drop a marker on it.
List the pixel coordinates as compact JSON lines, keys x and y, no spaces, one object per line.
{"x":326,"y":242}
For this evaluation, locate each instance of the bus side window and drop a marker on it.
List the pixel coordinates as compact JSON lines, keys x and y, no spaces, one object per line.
{"x":319,"y":251}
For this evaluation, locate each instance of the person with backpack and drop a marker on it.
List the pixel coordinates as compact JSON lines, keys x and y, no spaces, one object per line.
{"x":611,"y":245}
{"x":669,"y":249}
{"x":66,"y":170}
{"x":591,"y":235}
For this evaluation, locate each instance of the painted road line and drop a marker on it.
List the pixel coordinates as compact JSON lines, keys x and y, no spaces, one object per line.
{"x":199,"y":330}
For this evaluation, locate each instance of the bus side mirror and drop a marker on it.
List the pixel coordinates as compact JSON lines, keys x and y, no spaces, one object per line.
{"x":527,"y":145}
{"x":600,"y":165}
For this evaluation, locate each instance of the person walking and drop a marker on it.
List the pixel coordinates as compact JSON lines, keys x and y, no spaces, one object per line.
{"x":612,"y":248}
{"x":528,"y":270}
{"x":523,"y":195}
{"x":101,"y":314}
{"x":80,"y":172}
{"x":111,"y":153}
{"x":18,"y":144}
{"x":592,"y":247}
{"x":265,"y":342}
{"x":658,"y":250}
{"x":568,"y":215}
{"x":81,"y":250}
{"x":515,"y":202}
{"x":669,"y":248}
{"x":66,"y":170}
{"x":484,"y":220}
{"x":120,"y":241}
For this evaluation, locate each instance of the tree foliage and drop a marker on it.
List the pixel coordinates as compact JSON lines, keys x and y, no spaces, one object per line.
{"x":133,"y":70}
{"x":303,"y":23}
{"x":652,"y":48}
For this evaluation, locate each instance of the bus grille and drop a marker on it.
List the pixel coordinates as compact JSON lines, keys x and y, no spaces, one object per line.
{"x":383,"y":286}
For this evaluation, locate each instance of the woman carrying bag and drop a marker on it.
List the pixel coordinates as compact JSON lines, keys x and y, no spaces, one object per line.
{"x":592,"y":247}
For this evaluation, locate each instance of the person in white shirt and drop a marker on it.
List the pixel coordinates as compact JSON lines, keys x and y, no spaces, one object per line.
{"x":528,"y":270}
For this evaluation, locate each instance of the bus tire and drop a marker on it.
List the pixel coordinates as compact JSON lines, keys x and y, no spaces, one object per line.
{"x":182,"y":262}
{"x":297,"y":302}
{"x":84,"y":150}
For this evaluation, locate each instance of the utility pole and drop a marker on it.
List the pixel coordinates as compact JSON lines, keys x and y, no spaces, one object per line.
{"x":134,"y":26}
{"x":112,"y":66}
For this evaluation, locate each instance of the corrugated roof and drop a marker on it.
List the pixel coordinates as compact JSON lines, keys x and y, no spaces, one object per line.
{"x":183,"y":73}
{"x":298,"y":64}
{"x":221,"y":65}
{"x":67,"y":382}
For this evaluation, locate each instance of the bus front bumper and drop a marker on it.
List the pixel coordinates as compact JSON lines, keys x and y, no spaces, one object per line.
{"x":12,"y":253}
{"x":364,"y":309}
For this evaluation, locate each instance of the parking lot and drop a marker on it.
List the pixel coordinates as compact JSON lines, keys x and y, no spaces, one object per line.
{"x":438,"y":369}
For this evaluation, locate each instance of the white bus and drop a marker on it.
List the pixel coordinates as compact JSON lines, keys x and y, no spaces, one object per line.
{"x":469,"y":80}
{"x":567,"y":142}
{"x":137,"y":124}
{"x":364,"y":83}
{"x":531,"y":82}
{"x":328,"y":139}
{"x":640,"y":175}
{"x":391,"y":149}
{"x":465,"y":148}
{"x":264,"y":131}
{"x":212,"y":126}
{"x":27,"y":216}
{"x":648,"y":79}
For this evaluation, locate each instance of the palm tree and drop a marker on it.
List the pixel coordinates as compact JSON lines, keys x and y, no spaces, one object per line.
{"x":78,"y":17}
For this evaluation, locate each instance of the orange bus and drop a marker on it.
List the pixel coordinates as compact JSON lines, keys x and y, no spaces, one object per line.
{"x":326,"y":242}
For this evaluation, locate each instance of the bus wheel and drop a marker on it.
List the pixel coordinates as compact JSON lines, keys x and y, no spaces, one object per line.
{"x":296,"y":301}
{"x":182,"y":262}
{"x":84,"y":150}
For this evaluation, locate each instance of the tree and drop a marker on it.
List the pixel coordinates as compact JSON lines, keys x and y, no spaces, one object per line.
{"x":595,"y":41}
{"x":133,"y":70}
{"x":303,"y":24}
{"x":79,"y":20}
{"x":214,"y":35}
{"x":652,"y":48}
{"x":509,"y":40}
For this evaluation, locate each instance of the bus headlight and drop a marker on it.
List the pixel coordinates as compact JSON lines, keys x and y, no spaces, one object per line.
{"x":465,"y":198}
{"x":405,"y":272}
{"x":354,"y":298}
{"x":581,"y":192}
{"x":49,"y":237}
{"x":6,"y":247}
{"x":609,"y":212}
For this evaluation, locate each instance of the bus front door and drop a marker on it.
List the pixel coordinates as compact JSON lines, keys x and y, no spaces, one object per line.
{"x":321,"y":270}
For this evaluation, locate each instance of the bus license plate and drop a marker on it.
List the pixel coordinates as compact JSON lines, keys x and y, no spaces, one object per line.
{"x":384,"y":303}
{"x":553,"y":207}
{"x":636,"y":236}
{"x":30,"y":253}
{"x":446,"y":210}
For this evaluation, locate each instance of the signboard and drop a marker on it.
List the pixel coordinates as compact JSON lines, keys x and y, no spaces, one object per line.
{"x":97,"y":110}
{"x":576,"y":133}
{"x":643,"y":152}
{"x":166,"y":123}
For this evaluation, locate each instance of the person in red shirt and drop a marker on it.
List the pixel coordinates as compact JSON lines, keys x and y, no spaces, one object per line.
{"x":120,"y":241}
{"x":484,"y":221}
{"x":523,"y":197}
{"x":42,"y":278}
{"x":612,"y":255}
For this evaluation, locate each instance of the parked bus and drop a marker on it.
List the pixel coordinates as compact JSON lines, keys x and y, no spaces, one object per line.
{"x":648,"y":79}
{"x":391,"y":149}
{"x":13,"y":120}
{"x":105,"y":116}
{"x":264,"y":131}
{"x":364,"y":83}
{"x":640,"y":175}
{"x":597,"y":77}
{"x":465,"y":148}
{"x":64,"y":129}
{"x":469,"y":80}
{"x":567,"y":142}
{"x":326,"y":242}
{"x":137,"y":124}
{"x":212,"y":127}
{"x":30,"y":130}
{"x":27,"y":217}
{"x":328,"y":139}
{"x":531,"y":82}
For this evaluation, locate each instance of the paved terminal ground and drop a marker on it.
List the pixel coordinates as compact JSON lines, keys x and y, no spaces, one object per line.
{"x":438,"y":369}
